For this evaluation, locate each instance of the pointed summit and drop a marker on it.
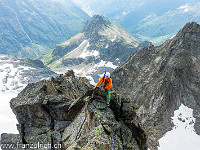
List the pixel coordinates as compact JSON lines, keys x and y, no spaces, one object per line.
{"x":95,"y":24}
{"x":186,"y":40}
{"x":162,"y":78}
{"x":190,"y":32}
{"x":191,"y":27}
{"x":100,"y":41}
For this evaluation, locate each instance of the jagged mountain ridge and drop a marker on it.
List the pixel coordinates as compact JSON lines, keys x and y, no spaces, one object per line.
{"x":64,"y":110}
{"x":99,"y":41}
{"x":30,"y":28}
{"x":160,"y":79}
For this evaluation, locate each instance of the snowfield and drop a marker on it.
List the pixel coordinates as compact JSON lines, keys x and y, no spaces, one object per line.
{"x":183,"y":135}
{"x":11,"y":78}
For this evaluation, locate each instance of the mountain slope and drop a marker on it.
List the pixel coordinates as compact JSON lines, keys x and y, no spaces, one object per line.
{"x":99,"y":42}
{"x":151,"y":20}
{"x":158,"y":28}
{"x":28,"y":28}
{"x":160,"y":79}
{"x":157,"y":21}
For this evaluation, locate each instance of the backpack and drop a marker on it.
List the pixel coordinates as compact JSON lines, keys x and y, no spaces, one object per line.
{"x":104,"y":78}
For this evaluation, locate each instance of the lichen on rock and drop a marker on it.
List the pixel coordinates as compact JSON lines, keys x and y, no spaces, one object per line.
{"x":67,"y":110}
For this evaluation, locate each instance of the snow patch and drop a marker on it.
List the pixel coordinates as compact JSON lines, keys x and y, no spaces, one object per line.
{"x":75,"y":53}
{"x":10,"y":77}
{"x":106,"y":64}
{"x":80,"y":52}
{"x":91,"y":80}
{"x":112,"y":40}
{"x":172,"y":37}
{"x":86,"y":52}
{"x":183,"y":135}
{"x":84,"y":71}
{"x":100,"y":75}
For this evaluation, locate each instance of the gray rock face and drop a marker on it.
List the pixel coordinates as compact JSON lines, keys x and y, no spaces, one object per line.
{"x":68,"y":112}
{"x":94,"y":25}
{"x":158,"y":79}
{"x":10,"y":141}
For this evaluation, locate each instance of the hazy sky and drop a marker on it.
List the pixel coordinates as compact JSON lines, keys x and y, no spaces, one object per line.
{"x":86,"y":5}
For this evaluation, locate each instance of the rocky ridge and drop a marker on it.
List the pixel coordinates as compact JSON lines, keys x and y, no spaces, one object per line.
{"x":67,"y":111}
{"x":159,"y":79}
{"x":99,"y":40}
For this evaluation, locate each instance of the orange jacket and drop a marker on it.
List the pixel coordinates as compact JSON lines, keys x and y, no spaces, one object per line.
{"x":108,"y":84}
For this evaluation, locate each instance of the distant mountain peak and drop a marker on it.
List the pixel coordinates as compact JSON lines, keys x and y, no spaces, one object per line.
{"x":95,"y":24}
{"x":100,"y":44}
{"x":187,"y":38}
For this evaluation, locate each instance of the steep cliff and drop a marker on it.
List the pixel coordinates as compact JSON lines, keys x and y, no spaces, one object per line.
{"x":160,"y":79}
{"x":67,"y":110}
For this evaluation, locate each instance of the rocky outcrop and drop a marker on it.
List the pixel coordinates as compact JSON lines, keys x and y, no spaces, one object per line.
{"x":158,"y":79}
{"x":94,"y":25}
{"x":66,"y":110}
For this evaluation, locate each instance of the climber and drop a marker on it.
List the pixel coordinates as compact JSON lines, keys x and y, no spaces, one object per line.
{"x":106,"y":83}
